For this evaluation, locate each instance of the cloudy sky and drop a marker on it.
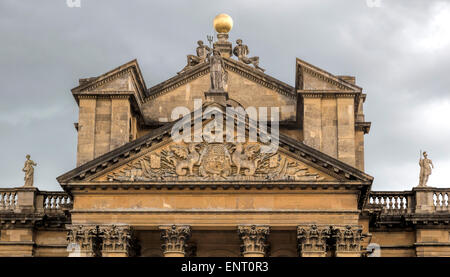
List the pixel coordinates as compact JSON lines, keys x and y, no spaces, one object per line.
{"x":398,"y":51}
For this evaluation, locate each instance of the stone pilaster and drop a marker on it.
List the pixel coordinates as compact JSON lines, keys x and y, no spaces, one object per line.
{"x":174,"y":240}
{"x":254,"y":240}
{"x":118,"y":241}
{"x":348,"y":241}
{"x":312,"y":240}
{"x":82,"y":241}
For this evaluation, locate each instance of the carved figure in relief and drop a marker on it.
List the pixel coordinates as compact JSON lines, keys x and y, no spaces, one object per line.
{"x":189,"y":156}
{"x":245,"y":158}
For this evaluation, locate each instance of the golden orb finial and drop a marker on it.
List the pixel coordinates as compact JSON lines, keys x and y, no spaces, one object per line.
{"x":223,"y":23}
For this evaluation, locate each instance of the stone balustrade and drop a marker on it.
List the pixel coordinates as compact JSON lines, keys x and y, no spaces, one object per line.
{"x":440,"y":199}
{"x":55,"y":201}
{"x":19,"y":200}
{"x":8,"y":199}
{"x":394,"y":202}
{"x":418,"y":200}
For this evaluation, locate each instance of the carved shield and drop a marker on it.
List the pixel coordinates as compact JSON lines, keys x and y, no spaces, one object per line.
{"x":215,"y":160}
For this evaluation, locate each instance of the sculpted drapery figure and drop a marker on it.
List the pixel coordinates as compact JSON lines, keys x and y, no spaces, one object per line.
{"x":241,"y":51}
{"x":219,"y":76}
{"x":425,"y":170}
{"x":29,"y":171}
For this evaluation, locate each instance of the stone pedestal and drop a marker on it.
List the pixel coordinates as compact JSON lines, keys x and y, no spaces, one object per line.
{"x":26,"y":200}
{"x":223,"y":45}
{"x":254,"y":240}
{"x":424,"y":199}
{"x":220,"y":97}
{"x":174,"y":240}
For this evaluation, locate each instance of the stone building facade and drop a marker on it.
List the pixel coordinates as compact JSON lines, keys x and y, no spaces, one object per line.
{"x":138,"y":192}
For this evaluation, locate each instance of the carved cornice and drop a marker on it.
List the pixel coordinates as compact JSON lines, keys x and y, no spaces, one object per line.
{"x":174,"y":238}
{"x":254,"y":239}
{"x":363,"y":126}
{"x":321,"y":74}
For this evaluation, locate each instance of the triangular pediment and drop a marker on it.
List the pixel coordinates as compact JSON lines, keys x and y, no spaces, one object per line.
{"x":312,"y":78}
{"x":157,"y":158}
{"x":244,"y":70}
{"x":125,"y":80}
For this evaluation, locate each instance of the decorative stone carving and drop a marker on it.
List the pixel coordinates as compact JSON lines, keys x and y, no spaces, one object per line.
{"x":82,"y":240}
{"x":246,"y":158}
{"x":254,"y":240}
{"x":174,"y":239}
{"x":203,"y":53}
{"x":219,"y":77}
{"x":187,"y":157}
{"x":117,"y":240}
{"x":425,"y":169}
{"x":213,"y":161}
{"x":348,"y":239}
{"x":241,"y":51}
{"x":312,"y":240}
{"x":29,"y":172}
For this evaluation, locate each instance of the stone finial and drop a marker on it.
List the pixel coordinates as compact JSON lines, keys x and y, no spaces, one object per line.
{"x":254,"y":239}
{"x":174,"y":239}
{"x":425,"y":169}
{"x":241,"y":51}
{"x":29,"y":172}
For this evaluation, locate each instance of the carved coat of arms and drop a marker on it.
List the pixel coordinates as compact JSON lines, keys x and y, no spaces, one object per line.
{"x":215,"y":161}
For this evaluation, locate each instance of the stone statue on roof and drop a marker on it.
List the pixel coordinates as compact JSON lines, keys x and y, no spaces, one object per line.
{"x":241,"y":51}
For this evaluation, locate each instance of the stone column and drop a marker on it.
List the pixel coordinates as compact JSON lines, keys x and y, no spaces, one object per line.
{"x":117,"y":241}
{"x":254,"y":240}
{"x":348,"y":241}
{"x":312,"y":240}
{"x":174,"y":240}
{"x":82,"y":241}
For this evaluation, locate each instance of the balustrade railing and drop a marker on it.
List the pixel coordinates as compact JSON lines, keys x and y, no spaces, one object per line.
{"x":8,"y":199}
{"x":56,"y":201}
{"x":47,"y":201}
{"x":393,"y":202}
{"x":440,"y":199}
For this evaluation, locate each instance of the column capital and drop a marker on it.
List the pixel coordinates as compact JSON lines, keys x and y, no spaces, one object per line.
{"x":117,"y":241}
{"x":312,"y":240}
{"x":348,"y":240}
{"x":82,"y":240}
{"x":254,"y":239}
{"x":174,"y":239}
